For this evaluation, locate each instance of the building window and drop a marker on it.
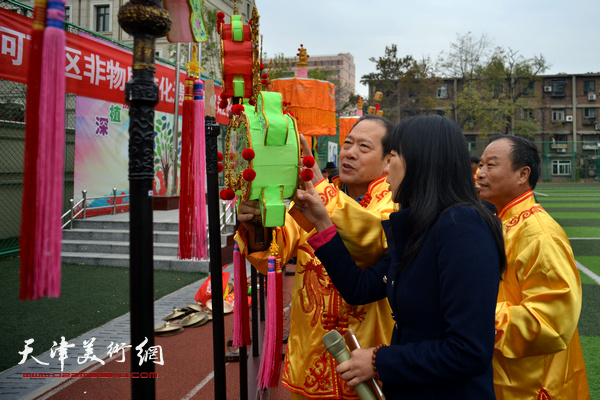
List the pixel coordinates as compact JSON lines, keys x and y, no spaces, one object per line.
{"x":558,"y":115}
{"x":442,"y":91}
{"x":67,"y":14}
{"x":248,"y":9}
{"x":589,"y":86}
{"x":527,"y":115}
{"x":589,"y":114}
{"x":561,"y":167}
{"x":102,"y":18}
{"x":558,"y":88}
{"x":528,"y":90}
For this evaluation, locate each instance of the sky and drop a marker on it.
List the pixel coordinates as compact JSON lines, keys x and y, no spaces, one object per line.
{"x":566,"y":33}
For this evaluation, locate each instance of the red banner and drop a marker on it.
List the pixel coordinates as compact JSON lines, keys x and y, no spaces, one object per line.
{"x":94,"y":68}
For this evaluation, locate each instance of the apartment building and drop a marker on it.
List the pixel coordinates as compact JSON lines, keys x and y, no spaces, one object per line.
{"x":565,"y":106}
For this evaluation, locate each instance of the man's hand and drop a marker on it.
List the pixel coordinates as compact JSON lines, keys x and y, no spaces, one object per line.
{"x":248,"y":210}
{"x":309,"y":203}
{"x":306,"y":151}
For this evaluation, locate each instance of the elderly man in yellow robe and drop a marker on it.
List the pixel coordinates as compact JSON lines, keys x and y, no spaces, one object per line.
{"x":357,"y":200}
{"x":537,"y":350}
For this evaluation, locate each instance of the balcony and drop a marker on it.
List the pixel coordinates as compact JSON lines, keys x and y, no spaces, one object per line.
{"x":588,"y":121}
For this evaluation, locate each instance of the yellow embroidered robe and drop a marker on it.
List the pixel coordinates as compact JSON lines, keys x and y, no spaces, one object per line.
{"x":537,"y":351}
{"x":317,"y":307}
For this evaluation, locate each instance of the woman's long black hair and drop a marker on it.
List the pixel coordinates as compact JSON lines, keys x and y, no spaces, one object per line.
{"x":438,"y":177}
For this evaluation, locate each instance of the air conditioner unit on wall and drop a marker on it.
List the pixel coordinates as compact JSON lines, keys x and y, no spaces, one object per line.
{"x":547,"y":88}
{"x":569,"y":118}
{"x":592,"y":96}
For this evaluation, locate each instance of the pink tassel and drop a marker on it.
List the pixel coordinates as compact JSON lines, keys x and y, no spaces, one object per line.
{"x":278,"y":344}
{"x":269,"y":358}
{"x":200,"y":222}
{"x":49,"y":177}
{"x":186,"y":199}
{"x":241,"y":322}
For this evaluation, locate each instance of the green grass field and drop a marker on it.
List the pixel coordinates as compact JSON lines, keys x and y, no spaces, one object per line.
{"x":90,"y":297}
{"x":576,"y":207}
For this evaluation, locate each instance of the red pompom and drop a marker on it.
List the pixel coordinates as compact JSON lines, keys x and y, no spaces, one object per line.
{"x":237,"y":109}
{"x":227,"y":194}
{"x":220,"y":15}
{"x":225,"y":96}
{"x":249,"y":175}
{"x":307,"y":175}
{"x":223,"y":104}
{"x":264,"y":82}
{"x":308,"y":161}
{"x":248,"y":154}
{"x":262,"y":66}
{"x":377,"y":106}
{"x":265,"y":76}
{"x":221,"y":167}
{"x":252,"y":102}
{"x":219,"y":156}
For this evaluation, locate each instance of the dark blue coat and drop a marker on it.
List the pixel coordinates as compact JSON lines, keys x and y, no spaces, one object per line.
{"x":443,"y":303}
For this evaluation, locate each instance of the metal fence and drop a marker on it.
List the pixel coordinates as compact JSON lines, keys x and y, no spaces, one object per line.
{"x":12,"y":145}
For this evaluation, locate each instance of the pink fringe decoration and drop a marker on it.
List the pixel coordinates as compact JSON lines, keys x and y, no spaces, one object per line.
{"x":193,"y":230}
{"x":200,"y":227}
{"x":270,"y":366}
{"x":29,"y":219}
{"x":50,"y":157}
{"x":241,"y":322}
{"x":186,"y":192}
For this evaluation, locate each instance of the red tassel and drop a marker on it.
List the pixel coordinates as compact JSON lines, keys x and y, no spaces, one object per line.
{"x":186,"y":198}
{"x":29,"y":221}
{"x":241,"y":324}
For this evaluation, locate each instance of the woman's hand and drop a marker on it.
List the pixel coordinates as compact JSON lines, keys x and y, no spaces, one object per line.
{"x":359,"y":368}
{"x":309,"y":203}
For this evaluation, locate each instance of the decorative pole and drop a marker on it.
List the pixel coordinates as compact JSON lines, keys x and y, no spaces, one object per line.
{"x":145,"y":20}
{"x":212,"y":131}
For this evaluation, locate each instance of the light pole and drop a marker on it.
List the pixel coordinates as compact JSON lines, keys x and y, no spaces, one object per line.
{"x":145,"y":20}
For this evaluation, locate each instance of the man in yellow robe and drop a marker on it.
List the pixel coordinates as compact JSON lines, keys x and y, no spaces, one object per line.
{"x":358,"y":199}
{"x":537,"y":350}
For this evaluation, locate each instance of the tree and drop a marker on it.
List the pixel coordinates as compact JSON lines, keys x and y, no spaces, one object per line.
{"x":278,"y":66}
{"x":407,"y":85}
{"x":496,"y":93}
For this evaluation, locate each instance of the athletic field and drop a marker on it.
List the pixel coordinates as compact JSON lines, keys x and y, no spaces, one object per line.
{"x":576,"y":207}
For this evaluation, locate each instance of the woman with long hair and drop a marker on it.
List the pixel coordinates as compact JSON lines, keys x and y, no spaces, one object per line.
{"x":441,"y":273}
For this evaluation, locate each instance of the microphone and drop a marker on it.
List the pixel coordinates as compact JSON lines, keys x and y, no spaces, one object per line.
{"x":336,"y":346}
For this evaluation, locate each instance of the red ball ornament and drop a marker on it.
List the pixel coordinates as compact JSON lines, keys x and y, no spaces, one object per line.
{"x":248,"y":154}
{"x":252,"y":102}
{"x":221,"y":167}
{"x":262,"y":66}
{"x":265,"y":76}
{"x":219,"y":156}
{"x":237,"y":109}
{"x":227,"y":194}
{"x":307,"y":175}
{"x":249,"y":175}
{"x":223,"y":104}
{"x":264,"y":82}
{"x":308,"y":161}
{"x":220,"y":15}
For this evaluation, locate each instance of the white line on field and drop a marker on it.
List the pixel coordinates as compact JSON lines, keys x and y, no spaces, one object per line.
{"x":199,"y":386}
{"x":541,"y":194}
{"x":588,"y":272}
